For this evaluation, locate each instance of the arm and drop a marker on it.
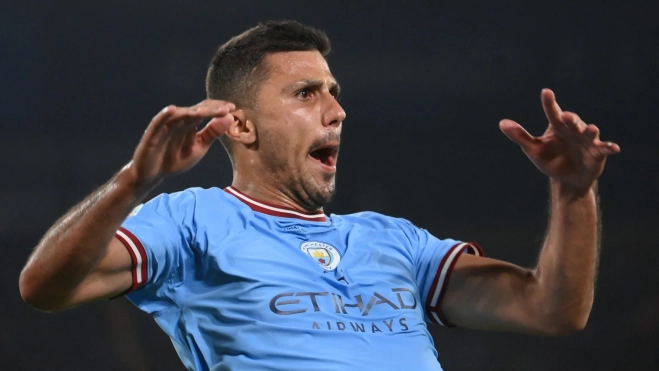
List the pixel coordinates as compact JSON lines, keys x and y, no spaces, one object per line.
{"x":79,"y":260}
{"x":557,"y":295}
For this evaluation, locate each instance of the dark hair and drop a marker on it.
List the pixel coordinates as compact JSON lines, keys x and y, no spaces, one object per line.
{"x":236,"y":66}
{"x":237,"y":69}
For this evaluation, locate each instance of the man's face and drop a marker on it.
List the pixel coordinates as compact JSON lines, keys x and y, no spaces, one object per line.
{"x":298,"y":123}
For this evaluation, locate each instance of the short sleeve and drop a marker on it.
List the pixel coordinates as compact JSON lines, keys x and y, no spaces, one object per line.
{"x":434,"y":262}
{"x":156,"y":235}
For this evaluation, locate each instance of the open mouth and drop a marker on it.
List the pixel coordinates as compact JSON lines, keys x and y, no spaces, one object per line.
{"x":326,"y":155}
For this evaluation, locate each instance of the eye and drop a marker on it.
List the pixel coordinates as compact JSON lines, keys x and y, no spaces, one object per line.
{"x":304,"y":93}
{"x":336,"y":92}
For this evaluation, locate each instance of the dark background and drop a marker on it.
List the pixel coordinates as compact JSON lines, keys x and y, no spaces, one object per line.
{"x":424,"y":88}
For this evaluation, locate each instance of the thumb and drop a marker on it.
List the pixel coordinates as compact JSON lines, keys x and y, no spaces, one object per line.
{"x":214,"y":128}
{"x":517,"y":134}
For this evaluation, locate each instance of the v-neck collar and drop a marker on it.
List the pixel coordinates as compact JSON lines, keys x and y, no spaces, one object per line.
{"x":270,"y":209}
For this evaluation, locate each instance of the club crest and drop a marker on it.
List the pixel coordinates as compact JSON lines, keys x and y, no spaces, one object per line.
{"x":327,"y":256}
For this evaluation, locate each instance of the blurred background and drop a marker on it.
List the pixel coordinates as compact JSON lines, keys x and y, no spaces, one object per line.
{"x":424,"y":85}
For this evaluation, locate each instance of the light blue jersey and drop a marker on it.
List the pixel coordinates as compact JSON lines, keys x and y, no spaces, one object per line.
{"x":239,"y":284}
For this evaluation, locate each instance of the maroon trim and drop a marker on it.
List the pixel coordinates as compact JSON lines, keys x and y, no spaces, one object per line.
{"x":286,"y":212}
{"x":471,"y":248}
{"x":474,"y":249}
{"x":433,"y":287}
{"x":447,"y":278}
{"x":133,"y":257}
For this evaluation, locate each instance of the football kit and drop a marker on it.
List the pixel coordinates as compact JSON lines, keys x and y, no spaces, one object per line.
{"x":241,"y":284}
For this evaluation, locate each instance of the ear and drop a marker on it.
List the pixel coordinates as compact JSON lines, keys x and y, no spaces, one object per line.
{"x":242,"y":129}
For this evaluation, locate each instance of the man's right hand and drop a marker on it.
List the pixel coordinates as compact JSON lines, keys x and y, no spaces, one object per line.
{"x":79,"y":259}
{"x":171,"y":143}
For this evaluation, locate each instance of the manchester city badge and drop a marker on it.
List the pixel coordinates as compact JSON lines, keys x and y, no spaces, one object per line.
{"x":326,"y":255}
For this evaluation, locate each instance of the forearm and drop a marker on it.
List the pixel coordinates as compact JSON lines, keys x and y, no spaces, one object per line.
{"x":75,"y":244}
{"x":567,"y":265}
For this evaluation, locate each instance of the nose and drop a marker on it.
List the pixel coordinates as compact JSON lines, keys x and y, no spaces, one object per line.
{"x":333,"y":114}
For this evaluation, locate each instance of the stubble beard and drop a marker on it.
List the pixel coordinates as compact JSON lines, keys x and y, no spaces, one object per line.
{"x":296,"y":181}
{"x":306,"y":191}
{"x":317,"y":195}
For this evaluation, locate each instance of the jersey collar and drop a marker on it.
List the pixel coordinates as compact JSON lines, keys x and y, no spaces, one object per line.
{"x":270,"y":209}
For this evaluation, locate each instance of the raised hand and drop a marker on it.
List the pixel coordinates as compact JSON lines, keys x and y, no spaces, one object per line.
{"x":171,"y":143}
{"x":569,"y":151}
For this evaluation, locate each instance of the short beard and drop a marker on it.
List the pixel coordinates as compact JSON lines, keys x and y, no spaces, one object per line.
{"x":302,"y":188}
{"x":311,"y":195}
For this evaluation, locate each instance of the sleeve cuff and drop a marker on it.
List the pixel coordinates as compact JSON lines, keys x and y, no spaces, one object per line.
{"x":441,"y":280}
{"x":137,"y":254}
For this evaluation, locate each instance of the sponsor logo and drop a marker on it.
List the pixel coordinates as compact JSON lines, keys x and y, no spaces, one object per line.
{"x":326,"y":255}
{"x":287,"y":303}
{"x":389,"y":325}
{"x":400,"y":298}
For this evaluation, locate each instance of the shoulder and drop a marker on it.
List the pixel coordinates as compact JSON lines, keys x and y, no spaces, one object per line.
{"x":191,"y":196}
{"x":188,"y":201}
{"x":215,"y":207}
{"x":377,"y":220}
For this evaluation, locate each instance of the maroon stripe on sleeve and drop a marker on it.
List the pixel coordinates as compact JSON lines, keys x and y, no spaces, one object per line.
{"x":441,"y":280}
{"x":138,"y":256}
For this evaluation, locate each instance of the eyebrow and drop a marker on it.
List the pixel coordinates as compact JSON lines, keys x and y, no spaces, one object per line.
{"x":334,"y":88}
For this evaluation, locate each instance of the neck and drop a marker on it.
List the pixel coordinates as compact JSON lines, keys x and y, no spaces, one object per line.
{"x":266,"y":189}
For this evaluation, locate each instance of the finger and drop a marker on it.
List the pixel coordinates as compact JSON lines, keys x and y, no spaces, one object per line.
{"x":551,"y":108}
{"x":214,"y":102}
{"x":186,"y":124}
{"x":177,"y":119}
{"x":182,"y":119}
{"x":604,"y":149}
{"x":160,"y":119}
{"x":218,"y":105}
{"x":608,"y":148}
{"x":197,"y":114}
{"x":188,"y":118}
{"x":613,"y":147}
{"x":572,"y":121}
{"x":205,"y":109}
{"x":188,"y":140}
{"x":214,"y":129}
{"x":517,"y":134}
{"x":592,"y":132}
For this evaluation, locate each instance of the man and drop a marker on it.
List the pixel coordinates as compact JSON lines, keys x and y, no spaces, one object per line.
{"x":256,"y":276}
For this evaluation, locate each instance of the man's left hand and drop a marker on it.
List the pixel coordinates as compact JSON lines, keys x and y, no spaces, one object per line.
{"x":569,"y":152}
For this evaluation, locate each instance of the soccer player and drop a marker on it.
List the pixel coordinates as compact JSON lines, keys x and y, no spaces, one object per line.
{"x":255,"y":276}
